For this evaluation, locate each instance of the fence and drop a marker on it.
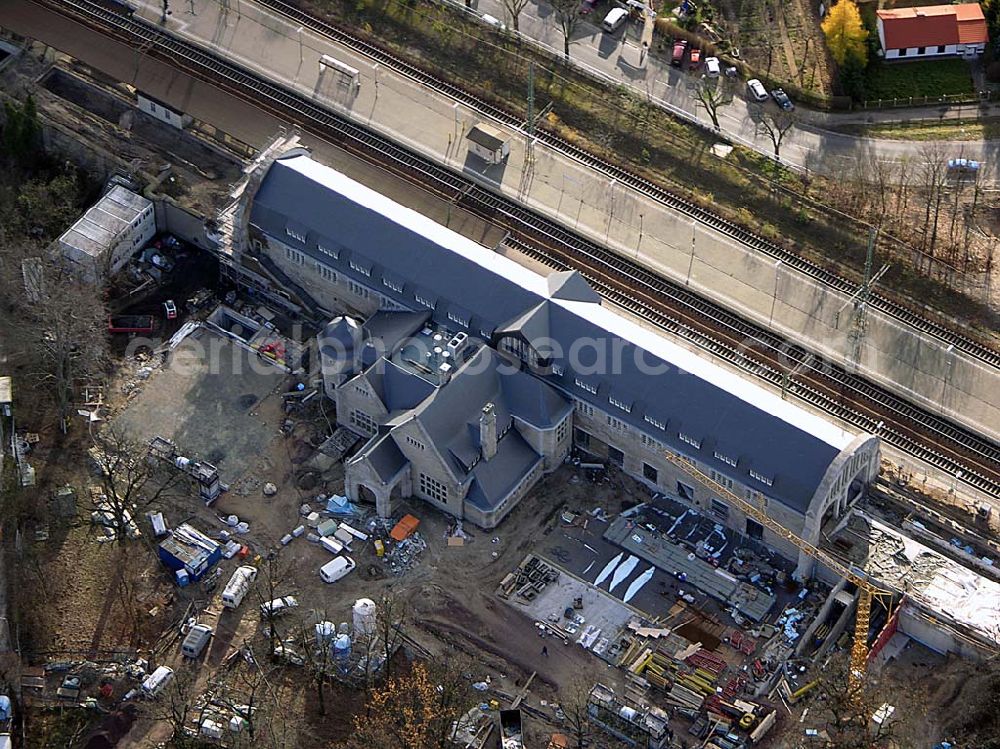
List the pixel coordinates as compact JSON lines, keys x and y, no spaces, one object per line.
{"x":925,"y":101}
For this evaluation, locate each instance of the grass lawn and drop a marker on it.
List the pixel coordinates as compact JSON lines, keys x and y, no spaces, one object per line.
{"x":901,"y":80}
{"x":977,"y":129}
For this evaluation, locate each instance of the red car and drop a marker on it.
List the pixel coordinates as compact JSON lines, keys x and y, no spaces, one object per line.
{"x":680,"y":47}
{"x":695,"y":58}
{"x":171,"y":309}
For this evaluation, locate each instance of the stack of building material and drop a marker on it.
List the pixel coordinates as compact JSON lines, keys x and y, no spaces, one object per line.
{"x":528,"y":579}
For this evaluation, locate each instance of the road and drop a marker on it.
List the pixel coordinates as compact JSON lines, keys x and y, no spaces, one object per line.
{"x":809,"y":145}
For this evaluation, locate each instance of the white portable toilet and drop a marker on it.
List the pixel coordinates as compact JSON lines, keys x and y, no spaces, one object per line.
{"x":342,"y":650}
{"x":363,"y":615}
{"x":325,"y":631}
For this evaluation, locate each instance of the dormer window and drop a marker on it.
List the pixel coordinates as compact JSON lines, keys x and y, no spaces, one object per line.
{"x":654,"y":421}
{"x":620,"y":404}
{"x":765,"y":480}
{"x":586,"y":386}
{"x":726,"y":459}
{"x":687,"y":438}
{"x":294,"y":234}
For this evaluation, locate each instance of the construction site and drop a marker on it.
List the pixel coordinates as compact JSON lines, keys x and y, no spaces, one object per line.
{"x":198,"y":562}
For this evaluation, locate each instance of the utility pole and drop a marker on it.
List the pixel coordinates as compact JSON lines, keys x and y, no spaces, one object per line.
{"x":859,"y":321}
{"x":531,"y":99}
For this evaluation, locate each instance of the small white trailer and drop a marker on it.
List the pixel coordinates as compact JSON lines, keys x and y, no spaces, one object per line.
{"x":489,"y":143}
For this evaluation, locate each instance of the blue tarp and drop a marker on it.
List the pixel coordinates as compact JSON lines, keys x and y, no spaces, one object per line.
{"x":339,"y":505}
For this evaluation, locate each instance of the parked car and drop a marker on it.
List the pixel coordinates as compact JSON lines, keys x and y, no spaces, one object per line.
{"x":278,"y":607}
{"x":695,"y":59}
{"x":157,"y":681}
{"x":680,"y":47}
{"x":712,"y":67}
{"x":782,"y":99}
{"x":170,"y":309}
{"x":614,"y":20}
{"x":494,"y":22}
{"x":732,"y":72}
{"x":756,"y":90}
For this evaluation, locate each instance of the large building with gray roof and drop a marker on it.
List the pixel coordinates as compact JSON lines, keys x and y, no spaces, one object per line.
{"x":630,"y":394}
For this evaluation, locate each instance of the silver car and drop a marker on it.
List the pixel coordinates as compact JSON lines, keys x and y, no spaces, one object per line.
{"x":756,"y":90}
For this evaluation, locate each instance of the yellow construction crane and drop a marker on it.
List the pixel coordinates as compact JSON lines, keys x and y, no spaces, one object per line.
{"x":867,"y":591}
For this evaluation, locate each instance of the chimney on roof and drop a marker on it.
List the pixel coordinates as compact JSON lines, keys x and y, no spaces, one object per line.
{"x":488,"y":431}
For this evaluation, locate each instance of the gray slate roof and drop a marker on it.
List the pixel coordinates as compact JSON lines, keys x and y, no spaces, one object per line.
{"x":385,"y":330}
{"x":397,"y":388}
{"x":385,"y":458}
{"x":451,"y":415}
{"x":494,"y":478}
{"x":452,"y":273}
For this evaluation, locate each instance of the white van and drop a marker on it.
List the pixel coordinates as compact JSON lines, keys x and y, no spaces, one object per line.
{"x":196,"y":640}
{"x":614,"y":20}
{"x":336,"y":568}
{"x":157,"y":681}
{"x":278,"y":606}
{"x":238,"y":585}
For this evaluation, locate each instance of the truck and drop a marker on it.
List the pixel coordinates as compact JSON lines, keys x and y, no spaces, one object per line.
{"x":130,"y":323}
{"x":238,"y":585}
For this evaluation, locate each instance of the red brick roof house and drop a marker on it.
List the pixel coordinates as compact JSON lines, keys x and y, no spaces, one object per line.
{"x":933,"y":31}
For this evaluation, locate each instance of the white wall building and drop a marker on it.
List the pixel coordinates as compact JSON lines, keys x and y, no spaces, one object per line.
{"x":163,"y":112}
{"x":109,"y":233}
{"x":933,"y":31}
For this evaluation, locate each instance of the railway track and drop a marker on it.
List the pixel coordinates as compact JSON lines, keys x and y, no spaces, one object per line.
{"x":789,"y":259}
{"x":972,"y":459}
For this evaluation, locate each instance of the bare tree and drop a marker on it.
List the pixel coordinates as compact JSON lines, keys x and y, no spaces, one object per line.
{"x":712,"y":93}
{"x":576,"y":720}
{"x":392,"y":614}
{"x":131,"y":480}
{"x":568,"y":15}
{"x":266,"y":589}
{"x":251,"y":695}
{"x":318,"y":660}
{"x":774,"y":123}
{"x":848,"y":707}
{"x":175,"y":706}
{"x":933,"y":171}
{"x":61,"y":330}
{"x":514,"y":7}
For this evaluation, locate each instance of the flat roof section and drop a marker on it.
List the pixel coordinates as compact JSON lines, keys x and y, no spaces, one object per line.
{"x":97,"y":229}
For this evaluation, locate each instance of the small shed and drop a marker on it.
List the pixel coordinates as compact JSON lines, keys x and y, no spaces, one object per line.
{"x":489,"y":143}
{"x":189,"y":549}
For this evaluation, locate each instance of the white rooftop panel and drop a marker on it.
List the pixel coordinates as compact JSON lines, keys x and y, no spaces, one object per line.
{"x":702,"y":367}
{"x":420,"y":224}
